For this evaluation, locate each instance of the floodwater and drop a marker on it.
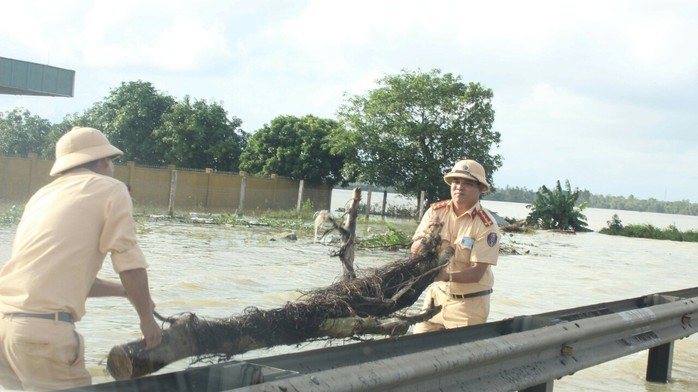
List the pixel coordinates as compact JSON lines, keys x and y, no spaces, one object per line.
{"x":217,"y":271}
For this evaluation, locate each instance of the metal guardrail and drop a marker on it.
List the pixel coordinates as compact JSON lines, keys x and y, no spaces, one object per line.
{"x":524,"y":353}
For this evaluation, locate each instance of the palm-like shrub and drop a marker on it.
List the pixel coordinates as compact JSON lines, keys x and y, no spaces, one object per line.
{"x":557,"y":210}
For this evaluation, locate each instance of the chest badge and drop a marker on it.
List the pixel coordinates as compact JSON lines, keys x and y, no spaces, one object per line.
{"x":467,"y":242}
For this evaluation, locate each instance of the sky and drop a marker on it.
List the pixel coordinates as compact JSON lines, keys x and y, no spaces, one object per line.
{"x":603,"y":94}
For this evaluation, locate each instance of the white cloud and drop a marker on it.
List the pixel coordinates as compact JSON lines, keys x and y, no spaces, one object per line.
{"x":586,"y":91}
{"x":118,"y":35}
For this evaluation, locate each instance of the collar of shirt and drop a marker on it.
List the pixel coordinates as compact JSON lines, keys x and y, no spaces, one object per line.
{"x":472,"y":211}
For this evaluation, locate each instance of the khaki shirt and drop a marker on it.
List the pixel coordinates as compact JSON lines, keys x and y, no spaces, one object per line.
{"x":475,"y":237}
{"x":66,"y":230}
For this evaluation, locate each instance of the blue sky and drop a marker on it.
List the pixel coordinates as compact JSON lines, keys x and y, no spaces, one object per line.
{"x":601,"y":93}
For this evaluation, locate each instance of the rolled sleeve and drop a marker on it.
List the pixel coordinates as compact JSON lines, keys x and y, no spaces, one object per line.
{"x":133,"y":258}
{"x":119,"y":233}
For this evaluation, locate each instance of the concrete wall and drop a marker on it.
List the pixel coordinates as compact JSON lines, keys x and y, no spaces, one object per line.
{"x":153,"y":187}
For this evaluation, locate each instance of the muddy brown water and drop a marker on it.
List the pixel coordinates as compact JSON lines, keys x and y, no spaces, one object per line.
{"x":217,"y":271}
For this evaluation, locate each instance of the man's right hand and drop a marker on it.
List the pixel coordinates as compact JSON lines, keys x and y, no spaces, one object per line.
{"x":152,"y":334}
{"x":135,"y":282}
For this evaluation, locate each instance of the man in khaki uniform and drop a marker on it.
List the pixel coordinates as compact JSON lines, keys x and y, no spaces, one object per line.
{"x":67,"y":228}
{"x":464,"y":286}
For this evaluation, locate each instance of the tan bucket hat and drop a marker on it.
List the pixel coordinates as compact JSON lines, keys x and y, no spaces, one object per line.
{"x":79,"y":146}
{"x":470,"y":170}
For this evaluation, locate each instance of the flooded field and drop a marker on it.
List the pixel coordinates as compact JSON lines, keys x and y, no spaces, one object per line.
{"x":218,"y":271}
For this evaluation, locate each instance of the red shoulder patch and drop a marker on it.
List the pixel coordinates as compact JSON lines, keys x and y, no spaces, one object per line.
{"x":485,"y":218}
{"x":439,"y":204}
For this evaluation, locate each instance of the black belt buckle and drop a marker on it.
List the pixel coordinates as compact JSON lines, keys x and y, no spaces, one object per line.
{"x":472,"y":295}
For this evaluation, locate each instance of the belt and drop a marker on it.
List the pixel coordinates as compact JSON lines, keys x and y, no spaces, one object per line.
{"x":58,"y":316}
{"x":472,"y":295}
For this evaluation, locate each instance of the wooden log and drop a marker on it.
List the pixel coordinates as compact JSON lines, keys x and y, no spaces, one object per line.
{"x":377,"y":293}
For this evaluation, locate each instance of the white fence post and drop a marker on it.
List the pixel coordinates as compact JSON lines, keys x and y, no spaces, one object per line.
{"x":301,"y":185}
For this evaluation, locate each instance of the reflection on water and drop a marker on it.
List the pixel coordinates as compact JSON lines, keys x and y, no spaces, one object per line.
{"x":217,"y":271}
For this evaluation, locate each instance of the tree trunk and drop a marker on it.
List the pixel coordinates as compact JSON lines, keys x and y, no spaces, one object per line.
{"x":348,"y":234}
{"x":350,"y":307}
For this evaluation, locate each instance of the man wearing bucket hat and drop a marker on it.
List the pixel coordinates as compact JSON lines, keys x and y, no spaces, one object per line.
{"x":463,"y":287}
{"x":67,"y":228}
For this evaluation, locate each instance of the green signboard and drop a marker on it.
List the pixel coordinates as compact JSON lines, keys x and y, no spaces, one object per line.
{"x":25,"y":78}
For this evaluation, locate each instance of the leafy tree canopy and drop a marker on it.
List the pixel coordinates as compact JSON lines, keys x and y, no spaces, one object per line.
{"x":556,"y":209}
{"x":129,"y":116}
{"x":22,"y":133}
{"x":411,"y":129}
{"x":294,"y":147}
{"x":201,"y":135}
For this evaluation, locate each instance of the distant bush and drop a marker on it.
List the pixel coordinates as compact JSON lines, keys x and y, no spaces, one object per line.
{"x":616,"y":227}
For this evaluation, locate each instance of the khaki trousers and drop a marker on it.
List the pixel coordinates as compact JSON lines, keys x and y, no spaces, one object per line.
{"x":454,"y":312}
{"x":38,"y":354}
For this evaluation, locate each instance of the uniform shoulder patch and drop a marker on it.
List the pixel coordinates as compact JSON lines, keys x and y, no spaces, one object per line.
{"x":485,"y":218}
{"x":439,"y":204}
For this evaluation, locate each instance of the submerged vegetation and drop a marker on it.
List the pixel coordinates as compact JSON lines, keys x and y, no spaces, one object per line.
{"x":392,"y":239}
{"x":616,"y":227}
{"x":10,"y":214}
{"x":374,"y":232}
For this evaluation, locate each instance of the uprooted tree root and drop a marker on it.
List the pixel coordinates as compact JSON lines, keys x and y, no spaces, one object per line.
{"x":345,"y":308}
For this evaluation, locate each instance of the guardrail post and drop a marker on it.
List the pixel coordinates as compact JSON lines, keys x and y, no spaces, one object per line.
{"x":547,"y":387}
{"x":659,"y":363}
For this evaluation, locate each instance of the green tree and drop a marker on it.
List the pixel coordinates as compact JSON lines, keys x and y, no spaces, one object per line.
{"x":57,"y":130}
{"x":22,"y":133}
{"x":129,"y":116}
{"x":294,"y":147}
{"x":411,"y":129}
{"x":557,"y":209}
{"x":200,"y":135}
